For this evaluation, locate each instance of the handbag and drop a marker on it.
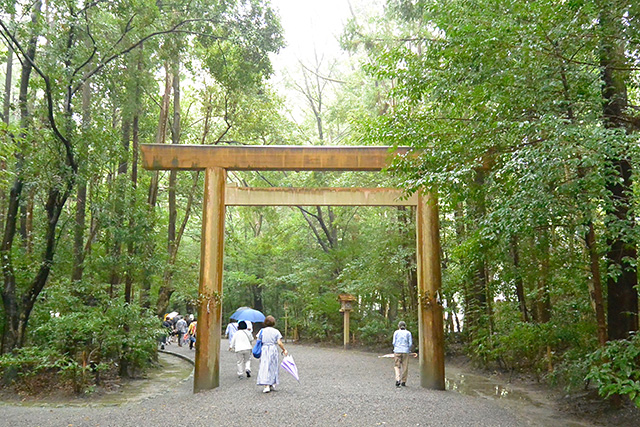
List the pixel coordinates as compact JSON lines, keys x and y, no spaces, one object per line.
{"x":257,"y":348}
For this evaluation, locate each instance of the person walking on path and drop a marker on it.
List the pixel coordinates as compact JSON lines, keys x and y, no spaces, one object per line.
{"x":181,"y":328}
{"x":242,"y":343}
{"x":193,"y":327}
{"x":402,"y":342}
{"x":269,"y":362}
{"x":232,"y":328}
{"x":166,"y":338}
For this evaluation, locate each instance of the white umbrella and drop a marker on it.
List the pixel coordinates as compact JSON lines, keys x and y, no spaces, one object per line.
{"x":391,"y":355}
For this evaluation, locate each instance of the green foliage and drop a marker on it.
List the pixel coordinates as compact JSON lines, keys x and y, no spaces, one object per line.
{"x":324,"y":318}
{"x":106,"y":335}
{"x":32,"y":369}
{"x":615,"y":369}
{"x":524,"y":348}
{"x":376,"y":331}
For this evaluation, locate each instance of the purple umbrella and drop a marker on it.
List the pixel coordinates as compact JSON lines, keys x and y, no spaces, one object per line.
{"x":290,"y":366}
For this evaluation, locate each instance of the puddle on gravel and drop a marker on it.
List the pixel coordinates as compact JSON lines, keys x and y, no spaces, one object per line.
{"x":533,"y":405}
{"x":172,"y":371}
{"x":476,"y":385}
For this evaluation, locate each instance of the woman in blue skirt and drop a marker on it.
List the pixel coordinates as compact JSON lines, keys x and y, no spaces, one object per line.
{"x":269,"y":361}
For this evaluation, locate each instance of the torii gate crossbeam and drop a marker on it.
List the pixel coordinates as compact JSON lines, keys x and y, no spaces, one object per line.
{"x":216,"y":160}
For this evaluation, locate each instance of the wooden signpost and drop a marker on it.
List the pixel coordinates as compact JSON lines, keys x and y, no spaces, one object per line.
{"x":346,"y":302}
{"x":217,"y":160}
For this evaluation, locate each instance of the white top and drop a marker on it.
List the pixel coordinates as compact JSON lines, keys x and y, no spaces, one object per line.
{"x":241,"y":341}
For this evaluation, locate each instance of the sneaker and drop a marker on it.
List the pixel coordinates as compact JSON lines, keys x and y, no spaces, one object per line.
{"x":403,"y":384}
{"x":266,"y":389}
{"x":248,"y":373}
{"x":273,"y":387}
{"x":397,"y":383}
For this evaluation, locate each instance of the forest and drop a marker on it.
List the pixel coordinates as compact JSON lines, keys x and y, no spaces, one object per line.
{"x":523,"y":116}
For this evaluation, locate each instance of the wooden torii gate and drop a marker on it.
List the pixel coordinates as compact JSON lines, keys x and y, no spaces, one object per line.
{"x":217,"y":160}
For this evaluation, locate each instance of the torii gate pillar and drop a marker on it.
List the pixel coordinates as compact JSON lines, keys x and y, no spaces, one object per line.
{"x":430,"y":319}
{"x":207,"y":372}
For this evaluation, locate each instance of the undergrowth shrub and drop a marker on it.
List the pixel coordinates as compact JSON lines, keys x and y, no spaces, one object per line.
{"x":80,"y":348}
{"x":323,"y":321}
{"x":615,"y":369}
{"x":116,"y":334}
{"x":375,"y":330}
{"x":525,"y":347}
{"x":31,"y":370}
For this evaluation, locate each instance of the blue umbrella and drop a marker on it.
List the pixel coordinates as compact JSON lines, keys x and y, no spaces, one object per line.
{"x":246,"y":313}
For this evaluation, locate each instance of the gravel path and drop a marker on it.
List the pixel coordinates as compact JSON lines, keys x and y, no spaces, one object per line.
{"x":337,"y":387}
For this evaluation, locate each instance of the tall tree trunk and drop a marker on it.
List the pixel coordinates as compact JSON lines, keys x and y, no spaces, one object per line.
{"x":162,"y":131}
{"x":81,"y":195}
{"x":166,"y":289}
{"x":543,"y":299}
{"x":12,"y":333}
{"x":595,"y":286}
{"x":6,"y":118}
{"x":256,"y":293}
{"x":411,"y":285}
{"x":622,"y":254}
{"x":515,"y":255}
{"x":163,"y":298}
{"x":115,"y":278}
{"x":476,"y":295}
{"x":26,"y":220}
{"x":6,"y":105}
{"x":131,"y":247}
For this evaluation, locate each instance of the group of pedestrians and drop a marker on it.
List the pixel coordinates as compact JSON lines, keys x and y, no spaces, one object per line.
{"x":241,"y":341}
{"x":184,"y":328}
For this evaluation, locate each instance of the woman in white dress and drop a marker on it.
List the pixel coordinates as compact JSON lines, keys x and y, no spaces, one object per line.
{"x":269,"y":361}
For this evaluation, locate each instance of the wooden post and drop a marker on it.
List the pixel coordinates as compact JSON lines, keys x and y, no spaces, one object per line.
{"x":430,"y":321}
{"x":346,"y":330}
{"x":286,"y":322}
{"x":346,"y":301}
{"x":207,"y":371}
